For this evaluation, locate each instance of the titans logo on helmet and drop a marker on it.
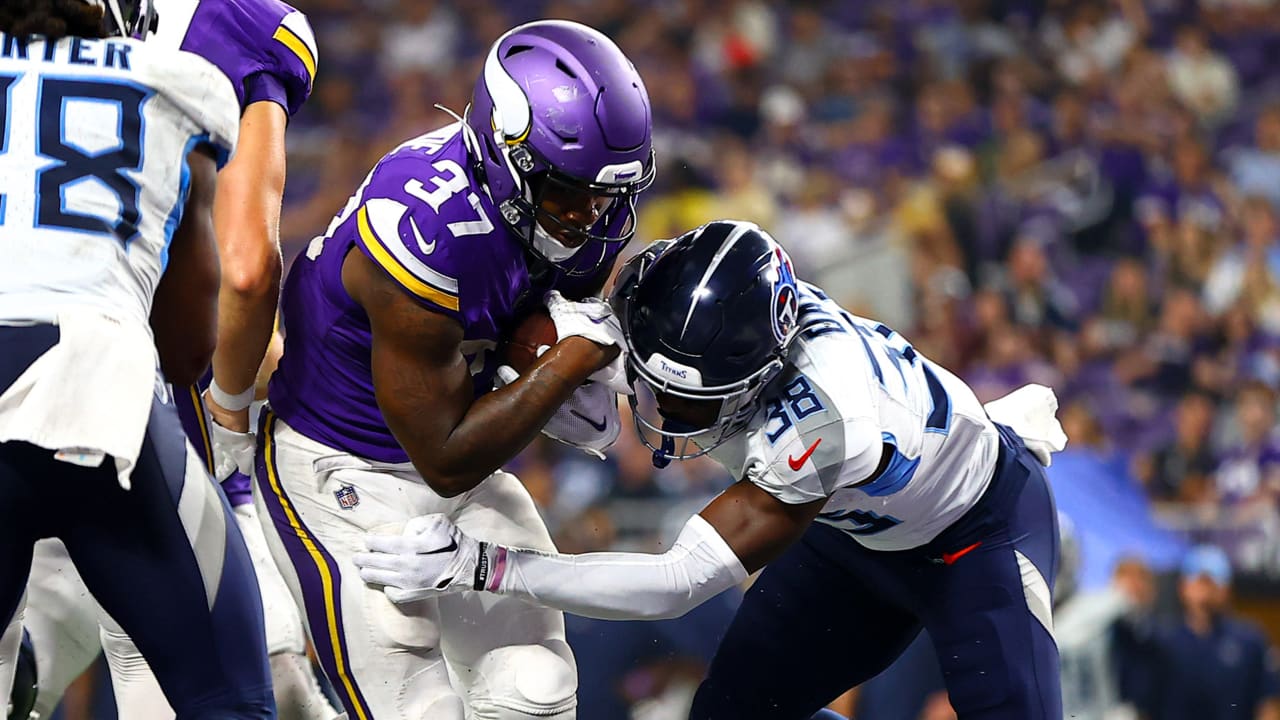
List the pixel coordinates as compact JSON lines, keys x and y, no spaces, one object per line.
{"x":786,"y":304}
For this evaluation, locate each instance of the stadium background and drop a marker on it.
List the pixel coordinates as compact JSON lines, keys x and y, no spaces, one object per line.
{"x":1080,"y":194}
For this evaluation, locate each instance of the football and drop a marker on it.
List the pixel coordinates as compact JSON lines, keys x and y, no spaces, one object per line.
{"x":521,"y":349}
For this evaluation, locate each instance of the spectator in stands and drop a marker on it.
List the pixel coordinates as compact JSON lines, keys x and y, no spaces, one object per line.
{"x":1255,"y":169}
{"x":1004,"y":205}
{"x":424,"y":38}
{"x":1211,"y":665}
{"x":1246,"y":32}
{"x":1184,"y":254}
{"x":1037,"y":300}
{"x":1090,"y":44}
{"x":1162,"y":365}
{"x":1081,"y":425}
{"x":1249,"y":472}
{"x":868,"y":150}
{"x":1127,"y":313}
{"x":1250,"y":271}
{"x":1202,"y":79}
{"x":741,"y":194}
{"x":1185,"y":192}
{"x":1103,"y":640}
{"x":813,"y":44}
{"x":1241,"y":351}
{"x":1009,"y":361}
{"x":1182,"y":470}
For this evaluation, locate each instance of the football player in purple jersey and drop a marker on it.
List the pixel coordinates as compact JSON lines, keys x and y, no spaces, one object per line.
{"x":267,"y":50}
{"x":384,"y":403}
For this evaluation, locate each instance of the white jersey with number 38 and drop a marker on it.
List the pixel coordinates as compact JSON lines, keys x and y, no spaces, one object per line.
{"x":95,"y":136}
{"x":854,"y":387}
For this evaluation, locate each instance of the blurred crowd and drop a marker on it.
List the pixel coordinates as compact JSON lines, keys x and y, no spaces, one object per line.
{"x":1079,"y":193}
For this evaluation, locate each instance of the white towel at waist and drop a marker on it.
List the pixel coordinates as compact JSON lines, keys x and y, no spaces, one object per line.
{"x":1031,"y":412}
{"x":88,"y":396}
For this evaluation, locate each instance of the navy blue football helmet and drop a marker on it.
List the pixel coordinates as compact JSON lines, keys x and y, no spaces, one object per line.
{"x":128,"y":18}
{"x":708,"y":318}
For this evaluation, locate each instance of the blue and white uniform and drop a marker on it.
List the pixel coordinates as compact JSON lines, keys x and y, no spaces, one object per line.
{"x":267,"y":51}
{"x":96,"y":135}
{"x":93,"y":225}
{"x":854,"y":386}
{"x":956,"y":534}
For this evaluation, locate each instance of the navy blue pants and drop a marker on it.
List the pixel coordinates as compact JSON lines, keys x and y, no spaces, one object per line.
{"x":831,"y":614}
{"x":176,"y":577}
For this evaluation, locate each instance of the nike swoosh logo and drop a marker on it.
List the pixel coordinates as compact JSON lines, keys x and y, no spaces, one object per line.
{"x":951,"y":558}
{"x":797,"y":463}
{"x":599,"y":426}
{"x":426,"y":247}
{"x":453,"y":545}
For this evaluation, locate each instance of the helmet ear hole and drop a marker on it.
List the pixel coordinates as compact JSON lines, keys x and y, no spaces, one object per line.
{"x":491,"y":149}
{"x":564,"y":68}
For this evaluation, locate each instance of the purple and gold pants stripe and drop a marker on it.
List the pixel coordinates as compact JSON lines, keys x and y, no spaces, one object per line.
{"x":317,"y":572}
{"x":195,"y":421}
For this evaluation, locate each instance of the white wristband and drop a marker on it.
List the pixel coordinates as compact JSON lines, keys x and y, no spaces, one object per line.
{"x":227,"y":401}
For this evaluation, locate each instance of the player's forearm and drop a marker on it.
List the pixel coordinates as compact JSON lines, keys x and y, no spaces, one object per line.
{"x":247,"y":218}
{"x":247,"y":303}
{"x":500,"y":424}
{"x":620,"y":586}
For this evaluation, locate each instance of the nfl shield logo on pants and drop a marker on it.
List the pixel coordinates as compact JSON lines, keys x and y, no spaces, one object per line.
{"x":347,"y":497}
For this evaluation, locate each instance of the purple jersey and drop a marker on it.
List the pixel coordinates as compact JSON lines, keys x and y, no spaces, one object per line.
{"x":265,"y":46}
{"x":1244,"y":472}
{"x":423,"y":218}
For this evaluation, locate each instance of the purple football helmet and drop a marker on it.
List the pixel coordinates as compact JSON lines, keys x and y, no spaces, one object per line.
{"x":559,"y":109}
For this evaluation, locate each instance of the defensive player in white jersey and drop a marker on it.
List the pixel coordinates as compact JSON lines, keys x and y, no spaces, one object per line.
{"x":109,"y":155}
{"x":267,"y":49}
{"x":928,"y":513}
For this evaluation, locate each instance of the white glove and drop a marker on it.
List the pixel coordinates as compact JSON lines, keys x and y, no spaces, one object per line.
{"x":504,"y":376}
{"x":231,"y":451}
{"x":588,"y":420}
{"x":429,"y":558}
{"x":591,"y":318}
{"x":614,"y":375}
{"x":594,"y":320}
{"x":1030,"y":411}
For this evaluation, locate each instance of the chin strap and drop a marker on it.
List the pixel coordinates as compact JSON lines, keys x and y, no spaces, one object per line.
{"x":663,"y":456}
